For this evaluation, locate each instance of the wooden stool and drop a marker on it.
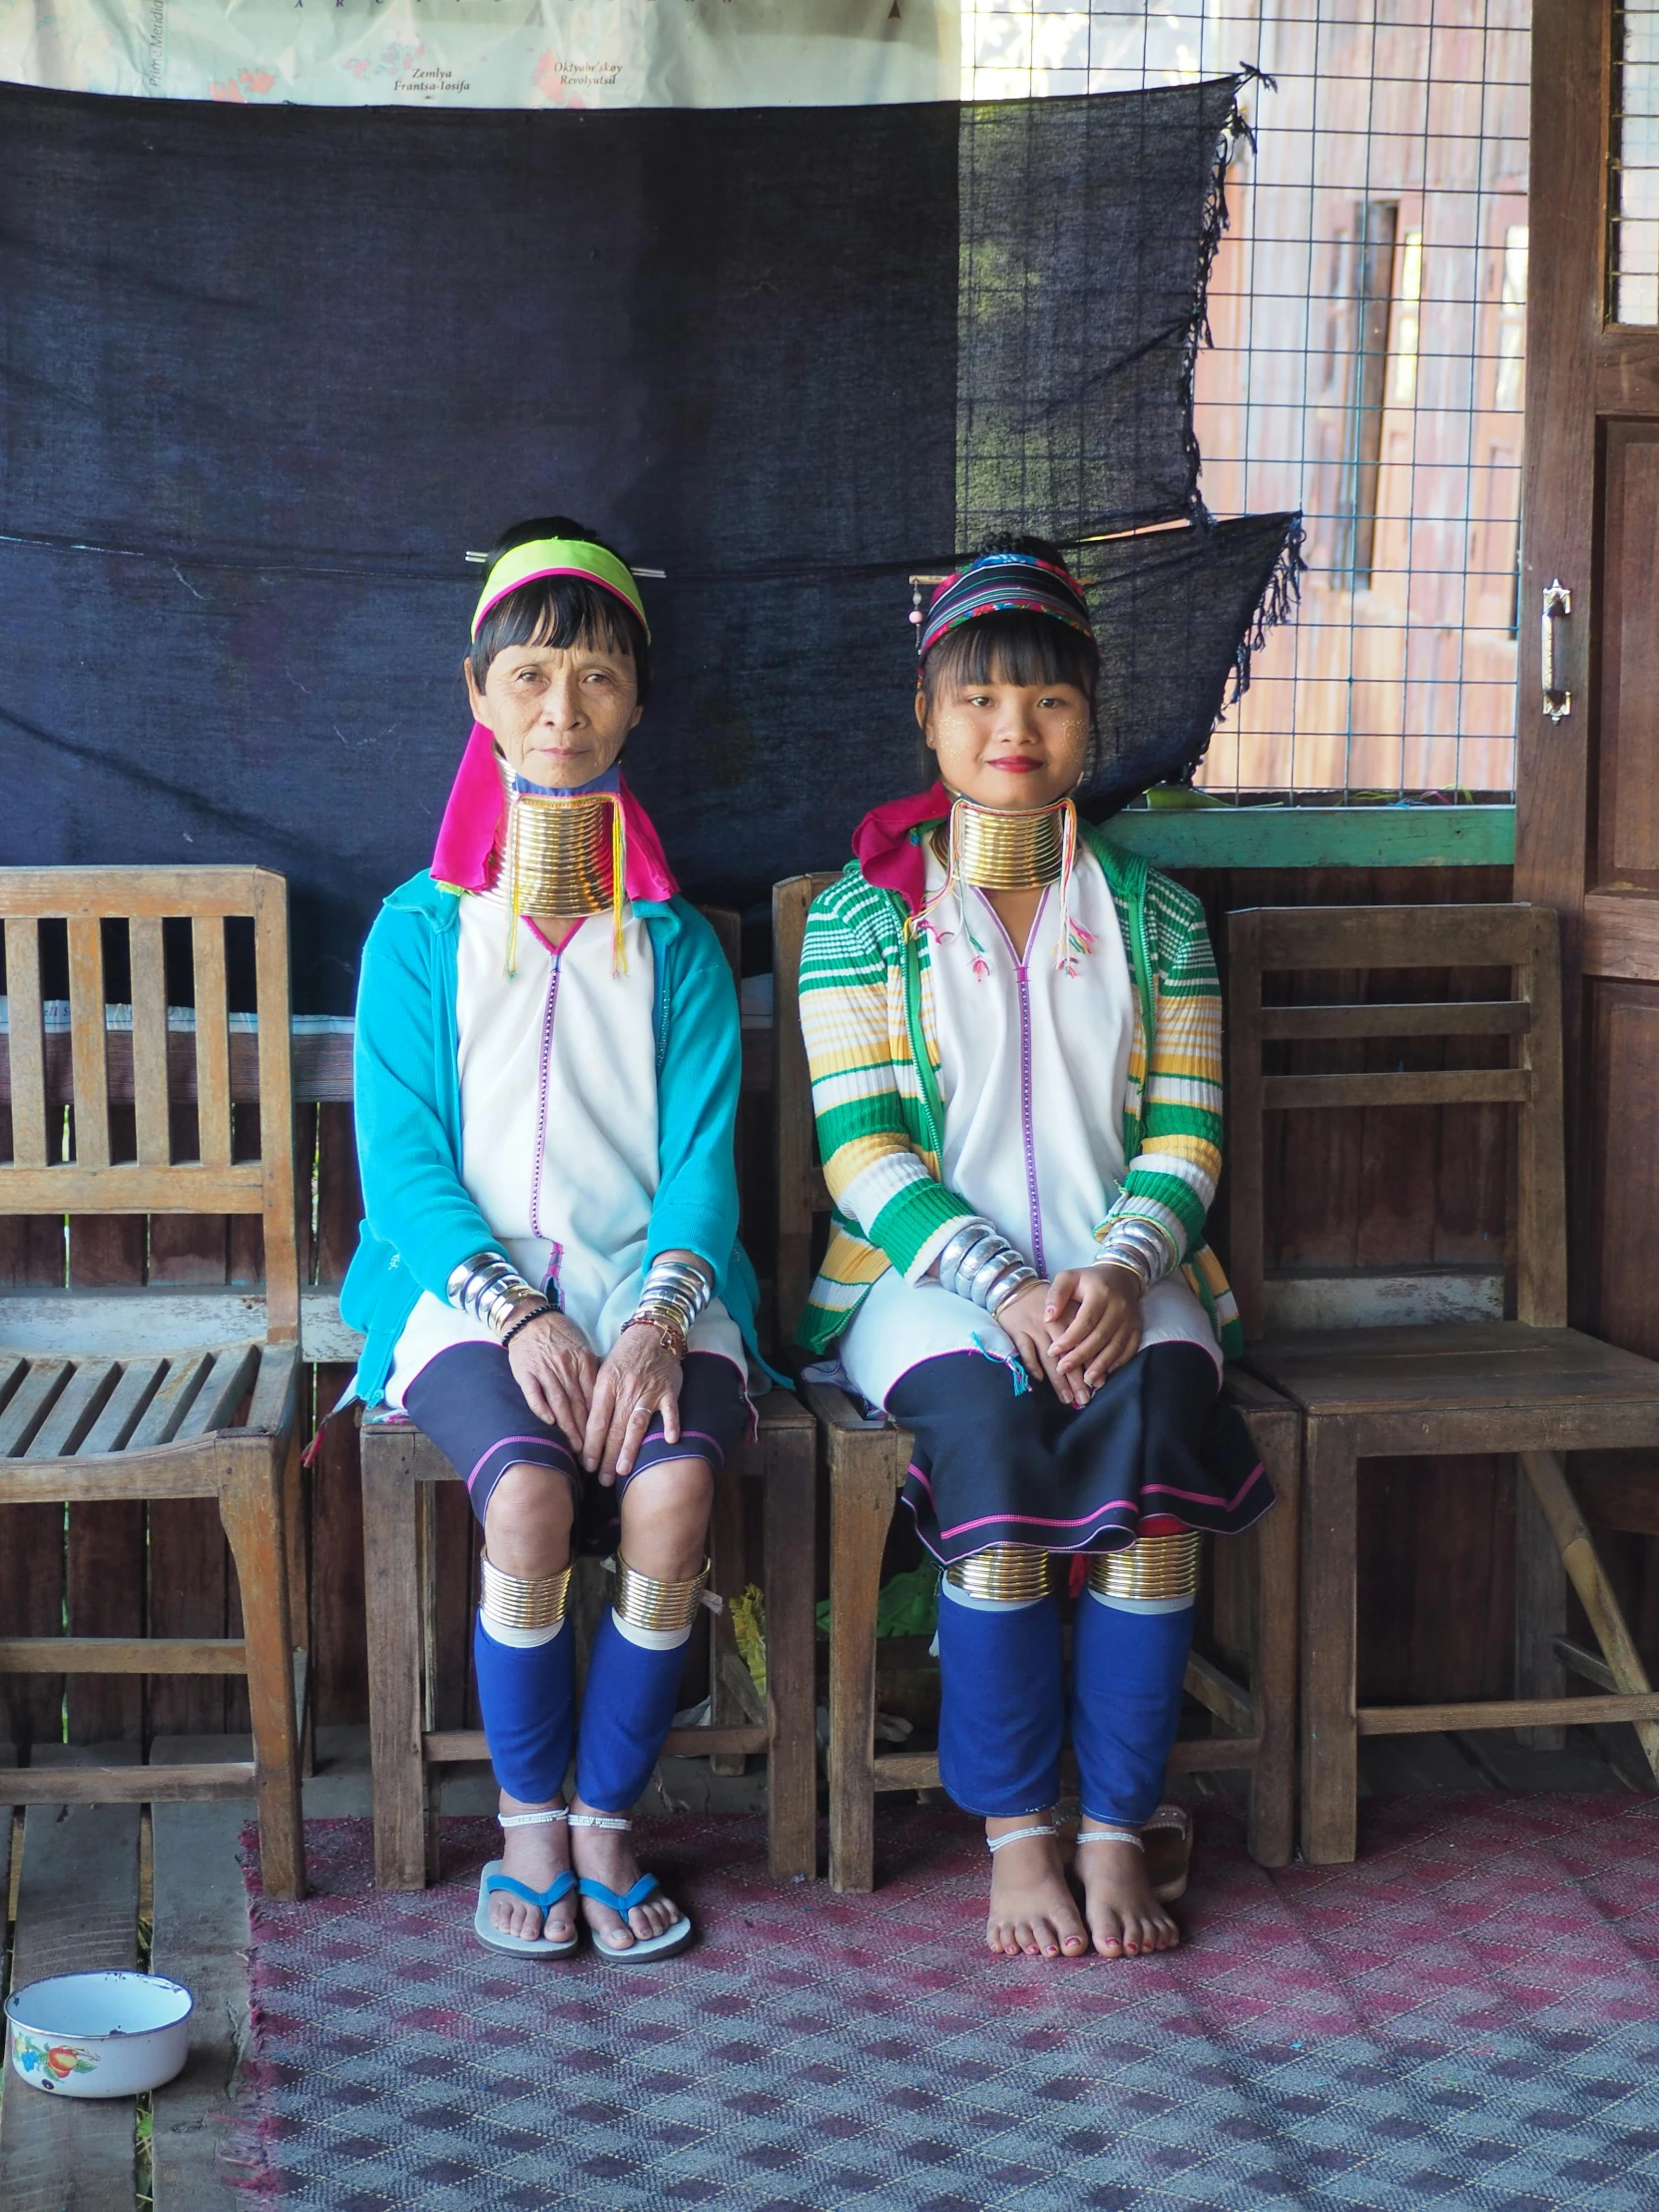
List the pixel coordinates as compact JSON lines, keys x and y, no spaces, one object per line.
{"x":867,"y":1463}
{"x":96,"y":1399}
{"x":400,"y":1465}
{"x":1529,"y":1386}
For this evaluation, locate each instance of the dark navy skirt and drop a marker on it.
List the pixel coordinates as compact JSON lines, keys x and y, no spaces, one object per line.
{"x":469,"y":1403}
{"x":996,"y":1464}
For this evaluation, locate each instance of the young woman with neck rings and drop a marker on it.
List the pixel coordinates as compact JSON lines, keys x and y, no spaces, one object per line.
{"x":1014,"y":1038}
{"x":549,"y":1277}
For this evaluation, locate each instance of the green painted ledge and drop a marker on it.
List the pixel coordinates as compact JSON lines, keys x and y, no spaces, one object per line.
{"x":1317,"y":837}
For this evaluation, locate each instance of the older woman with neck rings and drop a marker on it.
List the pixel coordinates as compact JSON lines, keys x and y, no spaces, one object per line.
{"x":548,"y":1059}
{"x":1014,"y":1038}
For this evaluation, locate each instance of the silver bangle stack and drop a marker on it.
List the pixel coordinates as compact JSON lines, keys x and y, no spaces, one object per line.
{"x":979,"y":1264}
{"x":1140,"y":1246}
{"x":672,"y":1295}
{"x":487,"y":1288}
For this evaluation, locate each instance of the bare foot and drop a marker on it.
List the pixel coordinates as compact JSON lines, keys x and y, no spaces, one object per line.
{"x":1125,"y":1918}
{"x":607,"y":1854}
{"x":1032,"y":1909}
{"x":536,"y":1857}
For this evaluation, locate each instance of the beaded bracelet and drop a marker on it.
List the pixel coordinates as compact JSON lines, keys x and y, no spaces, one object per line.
{"x":523,"y":1321}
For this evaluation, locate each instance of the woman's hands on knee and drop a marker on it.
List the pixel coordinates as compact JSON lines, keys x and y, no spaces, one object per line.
{"x":553,"y":1365}
{"x":1094,"y":1318}
{"x":639,"y":1378}
{"x":1025,"y":1318}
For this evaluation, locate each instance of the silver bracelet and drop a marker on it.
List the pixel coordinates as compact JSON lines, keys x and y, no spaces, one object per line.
{"x":488,"y":1287}
{"x":980,"y":1265}
{"x":1009,"y":1284}
{"x":1139,"y":1246}
{"x":675,"y":1291}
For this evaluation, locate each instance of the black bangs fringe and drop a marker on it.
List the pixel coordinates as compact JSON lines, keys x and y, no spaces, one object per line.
{"x":1012,"y":647}
{"x":1236,"y":130}
{"x":562,"y":611}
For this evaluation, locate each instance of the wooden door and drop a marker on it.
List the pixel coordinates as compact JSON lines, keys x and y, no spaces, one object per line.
{"x":1589,"y":779}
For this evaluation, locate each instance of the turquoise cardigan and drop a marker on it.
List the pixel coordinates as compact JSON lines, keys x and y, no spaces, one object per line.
{"x":419,"y":1221}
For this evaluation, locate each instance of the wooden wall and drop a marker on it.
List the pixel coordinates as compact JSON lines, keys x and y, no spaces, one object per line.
{"x":1358,"y":1189}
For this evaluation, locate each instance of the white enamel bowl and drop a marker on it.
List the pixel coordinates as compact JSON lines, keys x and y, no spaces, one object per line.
{"x":98,"y":2034}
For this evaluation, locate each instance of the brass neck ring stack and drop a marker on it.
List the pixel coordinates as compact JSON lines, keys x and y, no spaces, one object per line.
{"x":998,"y":850}
{"x":556,"y":855}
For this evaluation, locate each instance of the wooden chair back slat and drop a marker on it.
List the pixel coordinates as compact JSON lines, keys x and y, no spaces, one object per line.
{"x":1524,"y":939}
{"x":1395,"y":937}
{"x":35,"y":1180}
{"x":213,"y":1043}
{"x":87,"y":1035}
{"x":282,"y":1228}
{"x":150,"y":1072}
{"x":800,"y":1185}
{"x":1413,"y":1088}
{"x":1542,"y":1185}
{"x":1475,"y":1017}
{"x":26,"y":1042}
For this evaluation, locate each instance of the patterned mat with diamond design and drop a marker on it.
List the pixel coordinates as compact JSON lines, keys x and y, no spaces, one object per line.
{"x":1468,"y":2016}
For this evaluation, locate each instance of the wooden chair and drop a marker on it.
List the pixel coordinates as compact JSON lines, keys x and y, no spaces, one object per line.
{"x":96,"y":1399}
{"x":866,"y":1466}
{"x":1529,"y":1386}
{"x":400,"y":1467}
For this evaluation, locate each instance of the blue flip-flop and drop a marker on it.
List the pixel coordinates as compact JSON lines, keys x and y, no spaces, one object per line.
{"x":491,"y":1880}
{"x":644,"y":1950}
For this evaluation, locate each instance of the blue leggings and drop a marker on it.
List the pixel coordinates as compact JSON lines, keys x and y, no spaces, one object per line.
{"x":1003,"y":1705}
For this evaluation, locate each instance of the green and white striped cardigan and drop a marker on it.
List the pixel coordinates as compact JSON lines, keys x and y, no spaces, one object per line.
{"x":867,"y":1013}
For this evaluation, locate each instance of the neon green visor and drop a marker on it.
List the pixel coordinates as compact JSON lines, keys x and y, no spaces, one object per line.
{"x":525,"y":564}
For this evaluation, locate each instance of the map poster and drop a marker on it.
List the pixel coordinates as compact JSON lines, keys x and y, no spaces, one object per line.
{"x":491,"y":52}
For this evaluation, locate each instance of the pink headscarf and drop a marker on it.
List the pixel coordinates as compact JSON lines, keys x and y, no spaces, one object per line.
{"x":471,"y":827}
{"x":887,"y":848}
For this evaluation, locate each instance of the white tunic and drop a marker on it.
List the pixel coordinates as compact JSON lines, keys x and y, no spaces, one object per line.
{"x":558,"y":1069}
{"x":1033,"y":1067}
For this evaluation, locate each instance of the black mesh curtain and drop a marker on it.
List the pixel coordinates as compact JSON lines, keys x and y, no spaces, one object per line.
{"x":268,"y":372}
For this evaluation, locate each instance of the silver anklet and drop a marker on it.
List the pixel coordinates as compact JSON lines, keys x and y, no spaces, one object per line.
{"x":994,"y":1843}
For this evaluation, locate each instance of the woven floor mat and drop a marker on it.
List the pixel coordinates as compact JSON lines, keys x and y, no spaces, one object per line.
{"x":1468,"y":2016}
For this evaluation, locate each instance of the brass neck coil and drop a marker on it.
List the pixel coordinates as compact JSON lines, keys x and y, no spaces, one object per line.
{"x":1005,"y":1575}
{"x":644,"y":1603}
{"x":1006,"y":852}
{"x":1151,"y":1567}
{"x":521,"y":1601}
{"x":556,"y":857}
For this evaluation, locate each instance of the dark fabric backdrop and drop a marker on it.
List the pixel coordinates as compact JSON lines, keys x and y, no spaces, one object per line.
{"x":266,"y":373}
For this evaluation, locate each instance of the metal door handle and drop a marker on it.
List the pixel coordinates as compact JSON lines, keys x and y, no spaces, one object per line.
{"x":1557,"y":603}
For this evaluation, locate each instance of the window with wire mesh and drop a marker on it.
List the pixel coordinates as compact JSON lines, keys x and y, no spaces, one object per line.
{"x":1368,"y":315}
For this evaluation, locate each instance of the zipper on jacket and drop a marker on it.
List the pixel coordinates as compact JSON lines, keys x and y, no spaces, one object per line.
{"x":1033,"y":1200}
{"x":542,"y":1093}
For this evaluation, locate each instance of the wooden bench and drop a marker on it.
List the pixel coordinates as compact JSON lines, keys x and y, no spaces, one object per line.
{"x":867,"y":1467}
{"x":97,"y":1401}
{"x":400,"y":1466}
{"x":1529,"y":1386}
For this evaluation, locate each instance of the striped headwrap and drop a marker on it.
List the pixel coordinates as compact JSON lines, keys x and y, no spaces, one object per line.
{"x":1003,"y":583}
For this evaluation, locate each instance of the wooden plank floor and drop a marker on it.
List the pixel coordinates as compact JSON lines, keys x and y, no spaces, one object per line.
{"x":200,"y":1916}
{"x":77,"y":1909}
